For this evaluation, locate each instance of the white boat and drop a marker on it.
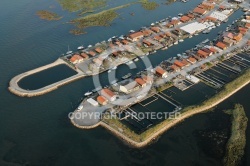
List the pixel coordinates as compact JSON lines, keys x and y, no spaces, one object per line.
{"x":205,"y":41}
{"x":88,"y":93}
{"x":80,"y":48}
{"x":181,"y":40}
{"x":114,"y":68}
{"x":175,"y":42}
{"x":153,"y":24}
{"x":69,"y":52}
{"x":131,"y":31}
{"x":164,"y":48}
{"x":180,"y":14}
{"x":190,"y":36}
{"x":109,"y":71}
{"x":218,"y":24}
{"x":109,"y":40}
{"x":196,"y":34}
{"x":89,"y":46}
{"x":80,"y":107}
{"x":136,"y":59}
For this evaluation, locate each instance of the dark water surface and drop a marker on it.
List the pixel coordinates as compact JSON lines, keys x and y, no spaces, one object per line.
{"x":36,"y":131}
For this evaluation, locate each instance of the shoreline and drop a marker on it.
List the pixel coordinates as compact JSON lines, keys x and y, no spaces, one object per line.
{"x":169,"y":124}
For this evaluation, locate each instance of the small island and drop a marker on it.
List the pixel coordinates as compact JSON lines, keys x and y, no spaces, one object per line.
{"x":47,"y":15}
{"x":237,"y":141}
{"x":148,"y":5}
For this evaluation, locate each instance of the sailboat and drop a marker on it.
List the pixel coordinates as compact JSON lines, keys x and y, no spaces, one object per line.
{"x":69,"y":52}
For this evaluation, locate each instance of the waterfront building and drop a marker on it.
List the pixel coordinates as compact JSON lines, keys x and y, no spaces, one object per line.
{"x":108,"y":94}
{"x":148,"y":79}
{"x":141,"y":82}
{"x":98,"y":50}
{"x":161,"y":72}
{"x":130,"y":87}
{"x":136,"y":36}
{"x":207,"y":5}
{"x":147,"y":32}
{"x":221,"y":45}
{"x":84,"y":55}
{"x":238,"y":37}
{"x":92,"y":102}
{"x":229,"y":42}
{"x":213,"y":50}
{"x":102,"y":100}
{"x":175,"y":68}
{"x":202,"y":54}
{"x":185,"y":62}
{"x":147,"y":43}
{"x":192,"y":60}
{"x":179,"y":64}
{"x":155,"y":29}
{"x":76,"y":59}
{"x":200,"y":11}
{"x":185,"y":19}
{"x":92,"y":53}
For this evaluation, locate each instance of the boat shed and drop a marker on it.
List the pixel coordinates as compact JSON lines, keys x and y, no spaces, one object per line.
{"x":193,"y":79}
{"x":92,"y":102}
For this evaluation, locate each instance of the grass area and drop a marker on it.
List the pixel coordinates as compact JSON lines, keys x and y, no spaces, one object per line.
{"x":81,"y":5}
{"x":47,"y":15}
{"x":164,"y":86}
{"x":103,"y":18}
{"x":148,"y":5}
{"x":227,"y":89}
{"x":237,"y":141}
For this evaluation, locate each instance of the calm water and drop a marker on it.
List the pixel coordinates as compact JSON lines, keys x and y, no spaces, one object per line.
{"x":46,"y":77}
{"x":36,"y":131}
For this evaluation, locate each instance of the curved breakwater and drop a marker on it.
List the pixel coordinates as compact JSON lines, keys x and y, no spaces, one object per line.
{"x":17,"y":90}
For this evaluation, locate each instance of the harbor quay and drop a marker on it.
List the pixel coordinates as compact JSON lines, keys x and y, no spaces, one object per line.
{"x":121,"y":96}
{"x":107,"y":55}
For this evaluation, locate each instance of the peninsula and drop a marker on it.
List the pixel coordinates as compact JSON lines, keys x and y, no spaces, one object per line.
{"x":221,"y":66}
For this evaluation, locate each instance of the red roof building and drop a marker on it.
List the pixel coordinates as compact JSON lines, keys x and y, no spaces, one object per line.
{"x":192,"y":60}
{"x":199,"y":11}
{"x":147,"y":32}
{"x":108,"y":94}
{"x":92,"y":53}
{"x":98,"y":50}
{"x":185,"y":62}
{"x":102,"y":100}
{"x":155,"y":29}
{"x":221,"y":45}
{"x":202,"y":54}
{"x":141,"y":82}
{"x":213,"y":50}
{"x":242,"y":30}
{"x":136,"y":36}
{"x":207,"y":5}
{"x":84,"y":55}
{"x":179,"y":64}
{"x":147,"y":42}
{"x":185,"y":19}
{"x":175,"y":68}
{"x":158,"y":38}
{"x":76,"y":59}
{"x":238,"y":37}
{"x":247,"y":25}
{"x":161,"y":72}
